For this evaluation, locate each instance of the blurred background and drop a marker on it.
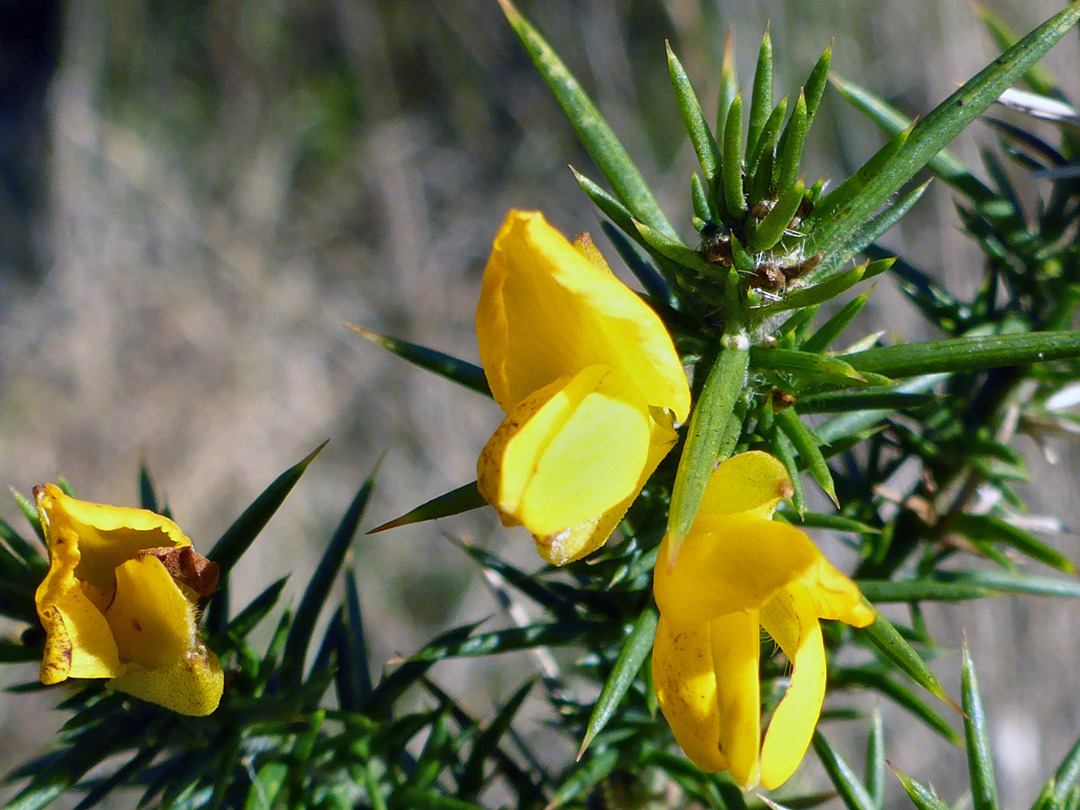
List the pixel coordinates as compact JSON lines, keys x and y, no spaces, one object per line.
{"x":195,"y":198}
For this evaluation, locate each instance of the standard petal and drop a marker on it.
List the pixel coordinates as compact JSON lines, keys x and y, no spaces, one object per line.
{"x":546,"y":311}
{"x":752,"y":483}
{"x":191,"y":686}
{"x":730,"y":563}
{"x":107,"y":535}
{"x":682,"y":669}
{"x":790,"y":619}
{"x":151,"y":620}
{"x":736,"y":650}
{"x":569,"y":453}
{"x":584,"y":538}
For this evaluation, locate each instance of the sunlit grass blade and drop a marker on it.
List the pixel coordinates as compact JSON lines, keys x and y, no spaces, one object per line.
{"x":808,"y":446}
{"x":704,"y":437}
{"x":463,"y":499}
{"x":462,"y":372}
{"x":595,"y":134}
{"x":472,"y":776}
{"x":967,"y":353}
{"x":318,"y":587}
{"x":242,"y":533}
{"x":852,"y":791}
{"x":761,"y":94}
{"x":634,"y":651}
{"x":980,"y":764}
{"x":701,"y":137}
{"x":882,"y":635}
{"x":943,"y":123}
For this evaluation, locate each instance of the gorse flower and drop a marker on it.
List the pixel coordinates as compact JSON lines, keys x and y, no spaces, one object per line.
{"x":739,"y":572}
{"x":119,"y":602}
{"x":589,"y":379}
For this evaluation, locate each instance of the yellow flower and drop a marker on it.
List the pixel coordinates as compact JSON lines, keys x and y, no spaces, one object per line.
{"x":119,"y":602}
{"x":738,"y":572}
{"x":587,"y":375}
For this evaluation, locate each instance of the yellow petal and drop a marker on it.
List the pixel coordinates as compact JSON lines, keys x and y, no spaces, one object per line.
{"x":835,"y":596}
{"x":568,"y":453}
{"x":191,"y":685}
{"x":584,"y":538}
{"x":151,"y":620}
{"x":752,"y":482}
{"x":730,"y":563}
{"x":107,"y":535}
{"x":546,"y":311}
{"x":736,"y":649}
{"x":78,"y":641}
{"x":682,"y":669}
{"x":790,"y":619}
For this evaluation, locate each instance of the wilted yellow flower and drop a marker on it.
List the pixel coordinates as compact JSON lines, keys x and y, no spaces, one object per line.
{"x":739,"y":572}
{"x":119,"y":602}
{"x":589,"y":379}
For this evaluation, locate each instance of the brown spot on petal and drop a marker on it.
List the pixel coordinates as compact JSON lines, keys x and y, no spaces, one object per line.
{"x":786,"y":489}
{"x":186,"y":567}
{"x":56,"y":661}
{"x":136,"y":626}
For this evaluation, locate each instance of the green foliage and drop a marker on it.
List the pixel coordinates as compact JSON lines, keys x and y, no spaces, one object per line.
{"x":753,"y":309}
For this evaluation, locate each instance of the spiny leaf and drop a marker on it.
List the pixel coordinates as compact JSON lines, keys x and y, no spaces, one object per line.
{"x":593,"y":131}
{"x":463,"y":499}
{"x":886,"y":639}
{"x":967,"y":353}
{"x":993,"y":529}
{"x":242,"y":533}
{"x":761,"y":95}
{"x":885,"y":397}
{"x":586,"y":776}
{"x":353,"y":675}
{"x":980,"y":765}
{"x":766,"y":233}
{"x":467,"y":374}
{"x":943,"y":123}
{"x":875,"y":760}
{"x":1015,"y":582}
{"x":318,"y":588}
{"x":808,"y":447}
{"x":704,"y":437}
{"x":701,"y":137}
{"x":829,"y":331}
{"x":924,"y":798}
{"x":927,"y":589}
{"x":878,"y":680}
{"x":634,"y":651}
{"x":472,"y":775}
{"x":734,"y":198}
{"x":791,"y":147}
{"x":805,"y":365}
{"x":247,"y":619}
{"x":853,"y":793}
